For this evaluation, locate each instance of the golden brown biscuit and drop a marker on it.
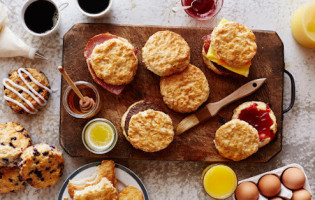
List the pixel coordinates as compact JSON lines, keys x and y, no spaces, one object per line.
{"x":150,"y":130}
{"x":236,"y":140}
{"x":114,"y":61}
{"x":185,"y":91}
{"x":105,"y":170}
{"x":130,"y":193}
{"x":41,"y":165}
{"x":234,"y":43}
{"x":10,"y":180}
{"x":104,"y":190}
{"x":28,"y":102}
{"x":166,"y":53}
{"x":265,"y":136}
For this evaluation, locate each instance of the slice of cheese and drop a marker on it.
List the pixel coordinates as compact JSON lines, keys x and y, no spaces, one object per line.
{"x":211,"y":55}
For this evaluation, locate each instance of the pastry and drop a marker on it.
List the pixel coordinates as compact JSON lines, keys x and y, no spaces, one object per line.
{"x":130,"y":193}
{"x":147,"y":129}
{"x":13,"y":140}
{"x":236,"y":140}
{"x":105,"y":170}
{"x":26,"y":90}
{"x":260,"y":116}
{"x":229,"y":49}
{"x":112,"y":61}
{"x":166,"y":53}
{"x":41,"y":165}
{"x":10,"y":180}
{"x":185,"y":91}
{"x":104,"y":190}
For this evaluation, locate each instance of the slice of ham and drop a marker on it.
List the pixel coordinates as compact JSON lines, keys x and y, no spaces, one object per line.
{"x":92,"y":43}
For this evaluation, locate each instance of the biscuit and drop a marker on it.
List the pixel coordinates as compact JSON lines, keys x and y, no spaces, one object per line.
{"x":166,"y":53}
{"x":114,"y":61}
{"x":236,"y":140}
{"x":105,"y":169}
{"x":13,"y":140}
{"x":185,"y":91}
{"x":260,"y":106}
{"x":150,"y":130}
{"x":104,"y":190}
{"x":130,"y":193}
{"x":135,"y":108}
{"x":35,"y":105}
{"x":41,"y":165}
{"x":10,"y":180}
{"x":234,"y":43}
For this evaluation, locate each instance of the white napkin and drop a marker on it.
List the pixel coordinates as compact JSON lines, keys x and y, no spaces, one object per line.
{"x":10,"y":44}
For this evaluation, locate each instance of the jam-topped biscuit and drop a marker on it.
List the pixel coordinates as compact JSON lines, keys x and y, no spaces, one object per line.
{"x":185,"y":91}
{"x":260,"y":116}
{"x":130,"y":193}
{"x":26,"y":90}
{"x":10,"y":180}
{"x":13,"y":140}
{"x":236,"y":140}
{"x":41,"y":165}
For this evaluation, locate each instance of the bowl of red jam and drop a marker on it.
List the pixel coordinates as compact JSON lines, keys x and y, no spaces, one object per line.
{"x":203,"y":9}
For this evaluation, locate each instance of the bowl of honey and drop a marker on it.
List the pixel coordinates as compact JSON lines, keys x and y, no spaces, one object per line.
{"x":71,"y":101}
{"x":203,"y":9}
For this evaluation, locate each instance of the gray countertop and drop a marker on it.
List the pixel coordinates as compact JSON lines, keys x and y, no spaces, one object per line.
{"x":172,"y":180}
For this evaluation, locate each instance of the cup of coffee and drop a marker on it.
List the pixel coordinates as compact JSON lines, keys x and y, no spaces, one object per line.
{"x":41,"y":17}
{"x":94,"y":8}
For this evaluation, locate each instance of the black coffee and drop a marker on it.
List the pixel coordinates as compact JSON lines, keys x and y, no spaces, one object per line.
{"x":93,"y":6}
{"x":41,"y":16}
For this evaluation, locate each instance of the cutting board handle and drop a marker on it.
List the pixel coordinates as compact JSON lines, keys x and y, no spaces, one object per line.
{"x":292,"y":92}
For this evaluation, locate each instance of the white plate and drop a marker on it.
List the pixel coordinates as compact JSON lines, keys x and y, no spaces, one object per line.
{"x":124,"y":176}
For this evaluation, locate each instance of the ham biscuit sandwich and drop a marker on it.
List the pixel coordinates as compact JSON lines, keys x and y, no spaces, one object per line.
{"x":112,"y":61}
{"x":229,"y":49}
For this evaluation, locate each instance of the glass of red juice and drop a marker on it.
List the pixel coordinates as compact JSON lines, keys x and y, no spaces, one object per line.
{"x":203,"y":9}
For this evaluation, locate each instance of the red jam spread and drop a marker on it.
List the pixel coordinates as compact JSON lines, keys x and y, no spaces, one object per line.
{"x":260,"y":119}
{"x":200,"y":8}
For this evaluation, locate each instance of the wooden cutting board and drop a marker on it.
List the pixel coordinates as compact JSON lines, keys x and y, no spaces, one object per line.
{"x":196,"y":144}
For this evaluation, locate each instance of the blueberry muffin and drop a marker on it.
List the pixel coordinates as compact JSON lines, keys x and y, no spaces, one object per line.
{"x":10,"y":180}
{"x":41,"y":165}
{"x":13,"y":140}
{"x":26,"y":90}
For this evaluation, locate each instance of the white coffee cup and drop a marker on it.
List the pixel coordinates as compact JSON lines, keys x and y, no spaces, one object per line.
{"x":57,"y":23}
{"x":96,"y":15}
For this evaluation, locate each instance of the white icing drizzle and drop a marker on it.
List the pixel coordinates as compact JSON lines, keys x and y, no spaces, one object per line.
{"x":30,"y":91}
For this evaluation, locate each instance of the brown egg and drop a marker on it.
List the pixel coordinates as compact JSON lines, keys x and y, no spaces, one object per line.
{"x":293,"y":178}
{"x":269,"y":185}
{"x":276,"y":198}
{"x":246,"y":191}
{"x":301,"y":194}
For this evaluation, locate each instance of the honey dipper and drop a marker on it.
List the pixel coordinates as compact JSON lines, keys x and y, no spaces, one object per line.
{"x":86,"y":103}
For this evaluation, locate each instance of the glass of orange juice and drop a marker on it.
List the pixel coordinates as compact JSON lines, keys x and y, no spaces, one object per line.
{"x":303,"y":25}
{"x":219,"y":181}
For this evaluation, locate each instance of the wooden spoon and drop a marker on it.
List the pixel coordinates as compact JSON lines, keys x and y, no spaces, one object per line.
{"x":86,"y":103}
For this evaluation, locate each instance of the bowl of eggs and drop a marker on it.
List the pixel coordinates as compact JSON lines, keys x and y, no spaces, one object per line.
{"x":288,"y":182}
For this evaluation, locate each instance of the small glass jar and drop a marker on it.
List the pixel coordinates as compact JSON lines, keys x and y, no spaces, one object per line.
{"x":88,"y":143}
{"x":203,"y":9}
{"x":219,"y":181}
{"x":71,"y":100}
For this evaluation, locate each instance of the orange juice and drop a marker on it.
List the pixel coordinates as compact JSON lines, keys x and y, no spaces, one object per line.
{"x":303,"y":25}
{"x":219,"y":181}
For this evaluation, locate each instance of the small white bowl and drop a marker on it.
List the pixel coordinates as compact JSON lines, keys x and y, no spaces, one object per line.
{"x":53,"y":30}
{"x":96,"y":15}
